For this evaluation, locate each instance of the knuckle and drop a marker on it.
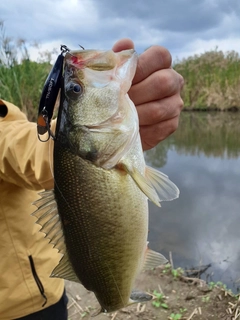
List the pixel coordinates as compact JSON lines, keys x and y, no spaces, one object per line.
{"x":181,"y":81}
{"x":172,"y":126}
{"x":163,"y":54}
{"x":160,"y":111}
{"x":177,"y":105}
{"x":181,"y":103}
{"x":140,"y":71}
{"x":166,"y":81}
{"x":166,"y":57}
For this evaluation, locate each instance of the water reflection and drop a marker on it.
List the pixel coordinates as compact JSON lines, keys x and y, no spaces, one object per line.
{"x":202,"y":226}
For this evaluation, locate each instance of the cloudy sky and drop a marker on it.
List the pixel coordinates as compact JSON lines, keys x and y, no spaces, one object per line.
{"x":185,"y":27}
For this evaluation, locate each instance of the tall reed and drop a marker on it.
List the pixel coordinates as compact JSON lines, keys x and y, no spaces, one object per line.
{"x":212,"y":80}
{"x":21,"y":80}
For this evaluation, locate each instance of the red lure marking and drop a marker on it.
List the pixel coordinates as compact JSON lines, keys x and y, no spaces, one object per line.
{"x":74,"y":59}
{"x":78,"y":62}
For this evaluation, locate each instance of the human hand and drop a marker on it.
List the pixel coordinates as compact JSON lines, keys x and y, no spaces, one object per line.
{"x":155,"y":92}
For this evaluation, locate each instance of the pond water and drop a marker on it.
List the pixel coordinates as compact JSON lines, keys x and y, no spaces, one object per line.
{"x":203,"y":226}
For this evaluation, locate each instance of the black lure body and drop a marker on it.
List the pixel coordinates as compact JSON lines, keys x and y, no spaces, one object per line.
{"x":49,"y":96}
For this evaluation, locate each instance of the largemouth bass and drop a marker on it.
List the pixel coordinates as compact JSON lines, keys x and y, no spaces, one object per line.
{"x":97,"y":215}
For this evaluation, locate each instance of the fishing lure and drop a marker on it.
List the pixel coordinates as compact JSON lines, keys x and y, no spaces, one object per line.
{"x":49,"y":96}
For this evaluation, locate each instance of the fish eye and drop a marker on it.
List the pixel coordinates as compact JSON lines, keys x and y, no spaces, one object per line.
{"x":73,"y":90}
{"x":76,"y":88}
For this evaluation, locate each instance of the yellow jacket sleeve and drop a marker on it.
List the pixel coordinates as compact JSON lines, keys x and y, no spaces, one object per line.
{"x":24,"y":160}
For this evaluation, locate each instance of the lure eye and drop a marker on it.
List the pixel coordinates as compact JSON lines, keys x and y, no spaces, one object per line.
{"x":73,"y":90}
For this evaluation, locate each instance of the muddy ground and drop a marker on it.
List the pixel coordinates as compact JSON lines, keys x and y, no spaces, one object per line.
{"x":177,"y":297}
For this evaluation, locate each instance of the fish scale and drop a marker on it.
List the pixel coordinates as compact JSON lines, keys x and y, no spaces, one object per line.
{"x":81,"y":225}
{"x":97,"y":214}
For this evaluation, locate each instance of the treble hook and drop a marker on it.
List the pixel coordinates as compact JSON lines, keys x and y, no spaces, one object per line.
{"x":45,"y":118}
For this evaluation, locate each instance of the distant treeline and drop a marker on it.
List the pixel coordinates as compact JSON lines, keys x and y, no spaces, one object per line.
{"x":212,"y":79}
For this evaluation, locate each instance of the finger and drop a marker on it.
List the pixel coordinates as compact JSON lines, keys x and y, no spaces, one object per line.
{"x":123,"y":44}
{"x":159,"y":110}
{"x":158,"y":85}
{"x":152,"y":60}
{"x":152,"y":135}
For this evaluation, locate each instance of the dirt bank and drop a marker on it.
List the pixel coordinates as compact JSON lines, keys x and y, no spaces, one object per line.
{"x":177,"y":297}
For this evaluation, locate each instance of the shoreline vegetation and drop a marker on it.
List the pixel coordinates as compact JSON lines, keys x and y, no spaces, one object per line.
{"x":212,"y":79}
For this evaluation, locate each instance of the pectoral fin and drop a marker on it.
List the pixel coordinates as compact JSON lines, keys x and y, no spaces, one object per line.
{"x":154,"y":184}
{"x":165,"y":188}
{"x":142,"y":183}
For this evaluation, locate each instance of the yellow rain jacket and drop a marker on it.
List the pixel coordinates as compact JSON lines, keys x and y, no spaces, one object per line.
{"x":26,"y":257}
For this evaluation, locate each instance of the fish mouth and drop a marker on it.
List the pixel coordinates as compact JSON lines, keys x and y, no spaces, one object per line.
{"x":97,"y":60}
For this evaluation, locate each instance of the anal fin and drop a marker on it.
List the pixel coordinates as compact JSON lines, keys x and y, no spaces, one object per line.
{"x":65,"y":270}
{"x":153,"y":259}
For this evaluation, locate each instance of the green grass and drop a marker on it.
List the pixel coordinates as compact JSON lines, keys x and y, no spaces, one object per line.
{"x":159,"y":300}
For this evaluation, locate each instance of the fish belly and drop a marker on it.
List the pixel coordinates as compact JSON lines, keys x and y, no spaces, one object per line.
{"x":105,"y":222}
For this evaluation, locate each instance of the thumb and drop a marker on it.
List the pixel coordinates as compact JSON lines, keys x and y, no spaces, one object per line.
{"x":123,"y":44}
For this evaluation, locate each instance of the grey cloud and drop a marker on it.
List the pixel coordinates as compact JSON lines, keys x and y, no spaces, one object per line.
{"x":98,"y":24}
{"x":177,"y":16}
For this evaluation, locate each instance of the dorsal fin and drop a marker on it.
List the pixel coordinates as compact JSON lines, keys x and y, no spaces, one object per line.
{"x":50,"y":222}
{"x":48,"y":218}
